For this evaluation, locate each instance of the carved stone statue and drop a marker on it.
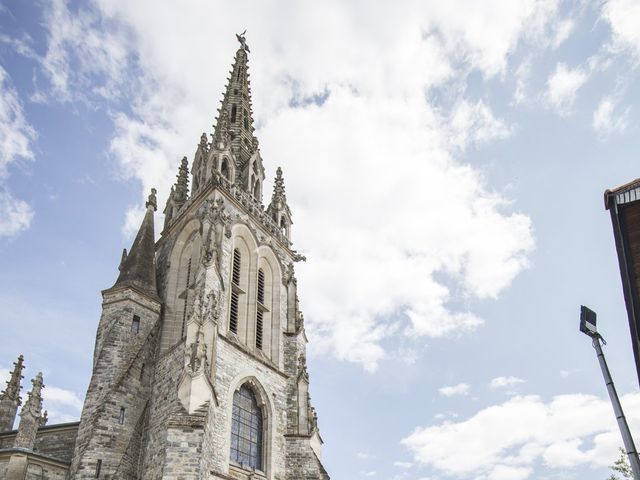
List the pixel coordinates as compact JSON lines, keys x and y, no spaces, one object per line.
{"x":198,"y":358}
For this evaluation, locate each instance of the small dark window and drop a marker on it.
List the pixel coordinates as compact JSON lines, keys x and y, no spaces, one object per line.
{"x":121,"y":417}
{"x":234,"y":110}
{"x":141,"y":372}
{"x":135,"y":324}
{"x":98,"y":468}
{"x":245,"y":119}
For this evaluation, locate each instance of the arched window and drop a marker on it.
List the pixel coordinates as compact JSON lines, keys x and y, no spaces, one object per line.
{"x":246,"y":429}
{"x":235,"y":287}
{"x":256,"y":190}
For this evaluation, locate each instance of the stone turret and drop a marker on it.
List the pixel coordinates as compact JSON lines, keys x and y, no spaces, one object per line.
{"x":10,"y":398}
{"x":137,"y":268}
{"x":111,"y":424}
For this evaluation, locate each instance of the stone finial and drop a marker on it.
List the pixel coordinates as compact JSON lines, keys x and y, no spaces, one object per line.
{"x":30,"y":416}
{"x":10,"y":396}
{"x":182,"y":183}
{"x":13,"y":384}
{"x":203,"y":141}
{"x":278,"y":188}
{"x":34,"y":402}
{"x":152,"y":200}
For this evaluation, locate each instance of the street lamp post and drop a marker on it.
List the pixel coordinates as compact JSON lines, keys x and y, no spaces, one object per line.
{"x":588,"y":327}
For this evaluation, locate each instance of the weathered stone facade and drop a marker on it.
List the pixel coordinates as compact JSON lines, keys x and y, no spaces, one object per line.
{"x":199,"y":367}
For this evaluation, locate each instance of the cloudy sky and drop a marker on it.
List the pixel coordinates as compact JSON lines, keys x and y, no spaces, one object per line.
{"x":444,"y":162}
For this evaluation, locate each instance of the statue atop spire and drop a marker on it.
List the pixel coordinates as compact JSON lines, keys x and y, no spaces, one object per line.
{"x":10,"y":396}
{"x":243,"y":41}
{"x":152,"y":200}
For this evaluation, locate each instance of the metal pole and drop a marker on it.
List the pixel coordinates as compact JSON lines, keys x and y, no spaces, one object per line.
{"x":617,"y":408}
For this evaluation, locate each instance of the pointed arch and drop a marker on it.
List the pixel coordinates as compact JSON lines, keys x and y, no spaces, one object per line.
{"x":241,"y":295}
{"x":183,"y":266}
{"x":248,"y":380}
{"x":271,"y":306}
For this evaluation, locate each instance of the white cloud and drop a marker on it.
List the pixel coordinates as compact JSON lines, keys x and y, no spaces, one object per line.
{"x":475,"y":124}
{"x":506,"y":440}
{"x":607,"y":122}
{"x":375,"y":134}
{"x":61,"y":397}
{"x":562,"y":86}
{"x":15,"y":215}
{"x":623,"y":16}
{"x":500,"y":382}
{"x":452,"y":390}
{"x":403,"y":464}
{"x":16,"y":137}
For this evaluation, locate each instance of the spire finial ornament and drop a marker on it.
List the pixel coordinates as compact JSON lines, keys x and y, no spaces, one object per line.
{"x":278,"y":187}
{"x":182,"y":182}
{"x":152,"y":201}
{"x":243,"y":41}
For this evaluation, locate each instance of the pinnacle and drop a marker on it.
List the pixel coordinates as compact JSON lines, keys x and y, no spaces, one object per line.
{"x":137,"y":269}
{"x":13,"y":384}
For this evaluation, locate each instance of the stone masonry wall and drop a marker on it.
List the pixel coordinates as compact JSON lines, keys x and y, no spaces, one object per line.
{"x":56,"y":441}
{"x":122,"y":378}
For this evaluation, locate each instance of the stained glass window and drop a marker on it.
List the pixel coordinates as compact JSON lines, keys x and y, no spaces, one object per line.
{"x":246,"y":429}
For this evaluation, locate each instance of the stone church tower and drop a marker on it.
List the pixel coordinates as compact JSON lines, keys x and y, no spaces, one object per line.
{"x":199,"y":367}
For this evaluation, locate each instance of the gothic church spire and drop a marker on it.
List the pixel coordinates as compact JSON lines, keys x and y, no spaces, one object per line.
{"x":137,"y":268}
{"x":235,"y":117}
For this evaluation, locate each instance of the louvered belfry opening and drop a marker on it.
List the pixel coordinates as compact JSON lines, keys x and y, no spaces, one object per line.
{"x":235,"y":287}
{"x":260,"y":309}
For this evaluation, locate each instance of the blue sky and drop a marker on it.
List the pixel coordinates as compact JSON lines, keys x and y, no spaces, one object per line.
{"x":445,"y":165}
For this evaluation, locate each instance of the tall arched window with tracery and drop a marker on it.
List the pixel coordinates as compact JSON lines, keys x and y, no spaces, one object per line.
{"x":246,"y":429}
